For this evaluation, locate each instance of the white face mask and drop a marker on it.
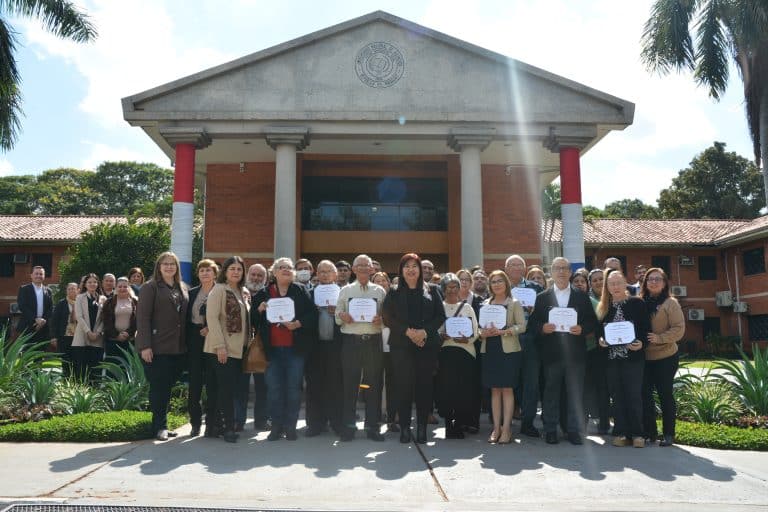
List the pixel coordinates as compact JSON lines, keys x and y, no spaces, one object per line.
{"x":303,"y":276}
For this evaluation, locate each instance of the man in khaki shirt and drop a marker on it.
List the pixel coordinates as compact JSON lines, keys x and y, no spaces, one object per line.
{"x":361,"y":351}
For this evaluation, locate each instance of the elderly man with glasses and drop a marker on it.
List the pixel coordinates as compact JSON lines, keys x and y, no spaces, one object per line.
{"x":561,"y":319}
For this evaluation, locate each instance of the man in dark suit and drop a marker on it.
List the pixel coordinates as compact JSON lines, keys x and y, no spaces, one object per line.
{"x":36,"y":304}
{"x":563,"y":353}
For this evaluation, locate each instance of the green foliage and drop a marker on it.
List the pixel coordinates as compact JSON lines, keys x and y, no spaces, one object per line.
{"x":716,"y":185}
{"x":721,"y":437}
{"x":630,"y":209}
{"x":114,"y":426}
{"x":706,"y":399}
{"x":116,"y":248}
{"x":75,"y":397}
{"x":17,"y":362}
{"x":751,"y":378}
{"x":179,"y":403}
{"x":550,"y":202}
{"x":40,"y":388}
{"x":126,"y":385}
{"x":124,"y":187}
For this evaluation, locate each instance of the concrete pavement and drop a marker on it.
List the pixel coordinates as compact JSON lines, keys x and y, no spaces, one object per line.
{"x":324,"y":474}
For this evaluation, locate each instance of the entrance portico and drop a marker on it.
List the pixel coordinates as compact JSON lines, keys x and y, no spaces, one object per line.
{"x":378,"y":97}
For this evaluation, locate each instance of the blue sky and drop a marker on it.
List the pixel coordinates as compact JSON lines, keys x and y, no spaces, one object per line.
{"x":72,"y":92}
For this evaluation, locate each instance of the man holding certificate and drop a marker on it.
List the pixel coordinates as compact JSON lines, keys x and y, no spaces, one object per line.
{"x":561,"y":319}
{"x":358,"y":312}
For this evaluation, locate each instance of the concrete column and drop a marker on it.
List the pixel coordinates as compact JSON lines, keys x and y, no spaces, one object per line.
{"x":286,"y":140}
{"x":470,"y":142}
{"x":185,"y":141}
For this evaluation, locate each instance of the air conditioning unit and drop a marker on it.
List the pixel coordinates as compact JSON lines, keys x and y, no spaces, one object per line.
{"x":724,"y":299}
{"x":740,"y":307}
{"x":679,"y":291}
{"x":685,"y":261}
{"x":21,"y":257}
{"x":696,"y":314}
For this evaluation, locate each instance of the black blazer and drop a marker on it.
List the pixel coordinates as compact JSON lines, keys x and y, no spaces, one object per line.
{"x":60,"y":319}
{"x":395,"y":313}
{"x":559,"y":346}
{"x":635,"y":311}
{"x":306,"y":313}
{"x":27,"y":301}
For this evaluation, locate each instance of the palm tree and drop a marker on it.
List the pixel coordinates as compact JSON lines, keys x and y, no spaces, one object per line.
{"x":59,"y":17}
{"x":702,"y":36}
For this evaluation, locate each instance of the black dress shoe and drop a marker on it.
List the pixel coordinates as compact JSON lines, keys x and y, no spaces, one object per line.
{"x":275,"y":434}
{"x":551,"y":438}
{"x":530,"y":431}
{"x":575,"y":438}
{"x":195,"y":431}
{"x":348,"y":434}
{"x":230,"y":436}
{"x":291,"y":435}
{"x":171,"y":433}
{"x":374,"y":435}
{"x":312,"y":432}
{"x":211,"y":431}
{"x":405,"y":435}
{"x":668,"y":440}
{"x":421,"y":434}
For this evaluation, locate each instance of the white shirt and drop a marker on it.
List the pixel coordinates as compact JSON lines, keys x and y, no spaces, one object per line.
{"x":39,"y":297}
{"x":562,"y":296}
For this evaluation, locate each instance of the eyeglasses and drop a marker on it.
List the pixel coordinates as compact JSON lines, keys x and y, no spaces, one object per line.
{"x":497,"y":281}
{"x":561,"y":269}
{"x":655,"y":279}
{"x":285,"y":267}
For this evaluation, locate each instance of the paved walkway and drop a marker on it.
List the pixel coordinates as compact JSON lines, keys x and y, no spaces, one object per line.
{"x":323,"y":474}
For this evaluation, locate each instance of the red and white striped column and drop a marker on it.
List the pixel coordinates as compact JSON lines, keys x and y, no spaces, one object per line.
{"x":183,"y":207}
{"x":570,"y":201}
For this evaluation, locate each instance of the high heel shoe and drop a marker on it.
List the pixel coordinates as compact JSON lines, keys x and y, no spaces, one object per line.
{"x":505,"y":437}
{"x":494,"y":437}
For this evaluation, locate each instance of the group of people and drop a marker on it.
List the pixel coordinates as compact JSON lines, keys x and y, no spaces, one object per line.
{"x":582,"y":344}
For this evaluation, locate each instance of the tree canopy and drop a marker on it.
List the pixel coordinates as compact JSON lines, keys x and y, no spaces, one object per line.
{"x":717,"y":185}
{"x":59,"y":17}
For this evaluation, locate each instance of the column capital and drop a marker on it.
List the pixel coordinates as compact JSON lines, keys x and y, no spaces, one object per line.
{"x":194,"y":135}
{"x":555,"y":142}
{"x":295,"y":135}
{"x":470,"y":136}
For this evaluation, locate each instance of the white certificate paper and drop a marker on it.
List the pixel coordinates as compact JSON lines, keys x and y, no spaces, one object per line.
{"x":563,"y":318}
{"x":526,"y":296}
{"x":280,"y":310}
{"x":495,"y":314}
{"x":326,"y":295}
{"x":361,"y":309}
{"x":619,"y":333}
{"x":458,"y":327}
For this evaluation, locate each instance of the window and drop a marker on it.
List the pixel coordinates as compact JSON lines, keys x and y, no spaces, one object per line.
{"x":662,"y":262}
{"x":6,"y":265}
{"x":711,"y":326}
{"x":758,"y":327}
{"x":588,"y":262}
{"x":707,"y":268}
{"x":754,"y":261}
{"x":43,"y":260}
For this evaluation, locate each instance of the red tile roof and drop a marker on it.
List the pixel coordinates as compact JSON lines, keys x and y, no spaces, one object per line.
{"x":50,"y":228}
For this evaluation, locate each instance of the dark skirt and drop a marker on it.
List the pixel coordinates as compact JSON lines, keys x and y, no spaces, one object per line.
{"x":456,"y":383}
{"x":499,"y":369}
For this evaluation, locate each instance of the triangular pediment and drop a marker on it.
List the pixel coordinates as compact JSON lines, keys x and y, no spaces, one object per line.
{"x":378,"y":68}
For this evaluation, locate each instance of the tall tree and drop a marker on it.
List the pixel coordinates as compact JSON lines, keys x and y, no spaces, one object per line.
{"x":722,"y":30}
{"x":125,"y":187}
{"x":716,"y":185}
{"x":630,"y":209}
{"x":59,"y":17}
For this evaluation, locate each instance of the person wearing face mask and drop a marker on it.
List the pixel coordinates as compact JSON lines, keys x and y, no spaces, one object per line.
{"x":255,"y":281}
{"x":304,"y":271}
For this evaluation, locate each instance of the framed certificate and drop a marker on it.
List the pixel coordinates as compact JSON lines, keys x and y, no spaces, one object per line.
{"x":459,"y":327}
{"x":493,"y":315}
{"x":563,"y":318}
{"x":326,"y":295}
{"x":280,"y":310}
{"x":526,"y":296}
{"x":619,"y":333}
{"x":362,"y":309}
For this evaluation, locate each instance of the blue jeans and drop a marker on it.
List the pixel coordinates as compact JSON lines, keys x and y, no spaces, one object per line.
{"x":284,"y":375}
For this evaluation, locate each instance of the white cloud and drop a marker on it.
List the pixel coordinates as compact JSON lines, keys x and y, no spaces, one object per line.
{"x":6,"y":168}
{"x":100,"y":152}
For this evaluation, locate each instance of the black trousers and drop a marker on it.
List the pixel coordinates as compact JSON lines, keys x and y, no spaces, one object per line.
{"x":65,"y":349}
{"x":528,"y":396}
{"x":361,"y":355}
{"x":162,"y":373}
{"x":571,"y":374}
{"x":197,"y":378}
{"x":625,"y":378}
{"x":389,"y":387}
{"x":113,"y":351}
{"x":456,"y":382}
{"x":84,"y":362}
{"x":413,"y":370}
{"x":659,"y":376}
{"x":223,"y":377}
{"x":325,"y":382}
{"x":597,"y":398}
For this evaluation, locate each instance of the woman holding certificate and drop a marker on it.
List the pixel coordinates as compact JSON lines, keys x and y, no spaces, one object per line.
{"x":286,"y":318}
{"x":414,"y":312}
{"x":501,"y":321}
{"x":623,"y":331}
{"x":229,"y":328}
{"x":661,"y":358}
{"x":456,"y":377}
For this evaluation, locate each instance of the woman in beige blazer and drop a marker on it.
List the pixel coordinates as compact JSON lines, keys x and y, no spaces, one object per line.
{"x":87,"y":343}
{"x":227,"y":316}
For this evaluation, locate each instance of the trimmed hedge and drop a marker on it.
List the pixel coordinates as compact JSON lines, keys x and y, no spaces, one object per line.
{"x":114,"y":426}
{"x":721,"y":437}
